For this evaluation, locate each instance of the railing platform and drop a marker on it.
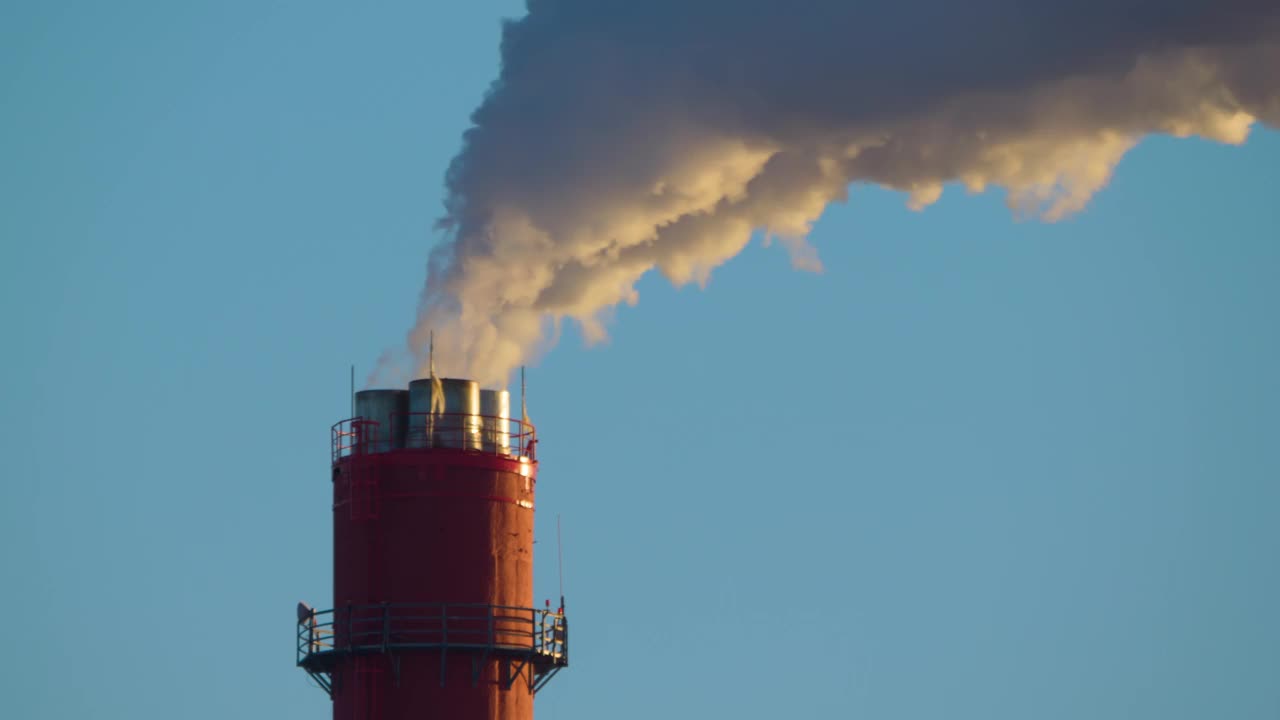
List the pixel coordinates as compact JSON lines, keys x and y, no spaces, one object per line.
{"x":489,"y":434}
{"x":532,"y":640}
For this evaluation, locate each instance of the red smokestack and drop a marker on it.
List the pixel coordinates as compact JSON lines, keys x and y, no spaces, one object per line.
{"x":433,"y":615}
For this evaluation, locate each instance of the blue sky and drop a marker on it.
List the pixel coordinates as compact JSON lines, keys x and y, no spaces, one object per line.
{"x":979,"y":468}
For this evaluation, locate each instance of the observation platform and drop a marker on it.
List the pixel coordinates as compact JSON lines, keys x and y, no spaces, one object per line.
{"x":393,"y":432}
{"x":528,"y":638}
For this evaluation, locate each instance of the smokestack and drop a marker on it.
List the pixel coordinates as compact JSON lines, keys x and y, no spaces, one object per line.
{"x":433,"y":612}
{"x":622,"y":138}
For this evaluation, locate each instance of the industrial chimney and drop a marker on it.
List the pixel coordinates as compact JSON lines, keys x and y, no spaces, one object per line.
{"x":433,"y":614}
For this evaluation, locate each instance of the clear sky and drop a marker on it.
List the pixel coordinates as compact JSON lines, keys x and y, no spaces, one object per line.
{"x":980,"y":468}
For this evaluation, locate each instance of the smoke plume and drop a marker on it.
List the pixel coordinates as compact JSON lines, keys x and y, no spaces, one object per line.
{"x":622,"y":137}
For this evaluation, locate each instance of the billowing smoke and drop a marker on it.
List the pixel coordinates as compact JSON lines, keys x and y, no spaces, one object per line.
{"x":622,"y":137}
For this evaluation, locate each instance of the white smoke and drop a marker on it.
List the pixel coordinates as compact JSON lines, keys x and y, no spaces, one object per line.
{"x":626,"y":137}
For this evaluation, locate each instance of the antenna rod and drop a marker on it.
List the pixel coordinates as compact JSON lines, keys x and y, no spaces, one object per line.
{"x":353,"y":389}
{"x":560,"y":557}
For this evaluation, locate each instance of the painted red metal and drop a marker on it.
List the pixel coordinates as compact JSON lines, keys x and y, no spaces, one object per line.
{"x":430,"y":525}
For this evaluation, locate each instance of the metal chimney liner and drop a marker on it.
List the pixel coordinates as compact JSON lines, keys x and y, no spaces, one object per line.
{"x":457,"y":425}
{"x":495,"y":421}
{"x":387,"y":408}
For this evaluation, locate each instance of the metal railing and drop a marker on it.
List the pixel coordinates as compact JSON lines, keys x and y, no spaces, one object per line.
{"x":354,"y":436}
{"x":541,"y":636}
{"x":462,"y":431}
